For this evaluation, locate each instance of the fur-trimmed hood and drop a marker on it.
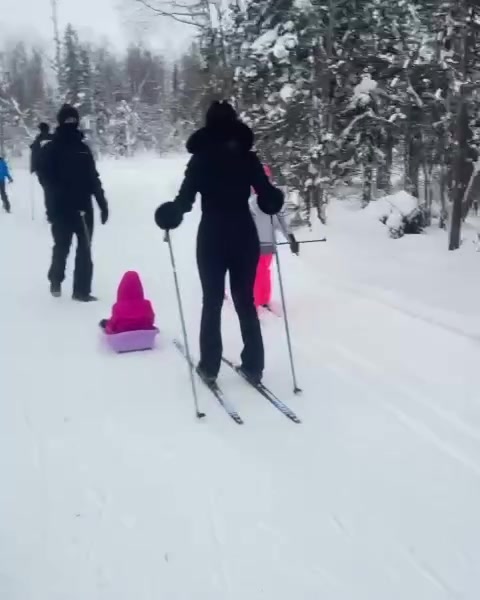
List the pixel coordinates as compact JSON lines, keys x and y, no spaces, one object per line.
{"x":234,"y":135}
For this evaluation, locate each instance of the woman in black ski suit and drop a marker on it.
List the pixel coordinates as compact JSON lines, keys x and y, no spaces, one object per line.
{"x":223,"y":169}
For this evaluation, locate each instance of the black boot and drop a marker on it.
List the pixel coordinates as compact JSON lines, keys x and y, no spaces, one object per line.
{"x":84,"y":297}
{"x":206,"y":377}
{"x":254,"y":378}
{"x":56,"y":290}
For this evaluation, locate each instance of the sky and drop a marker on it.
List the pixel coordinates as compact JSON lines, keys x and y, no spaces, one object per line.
{"x":95,"y":19}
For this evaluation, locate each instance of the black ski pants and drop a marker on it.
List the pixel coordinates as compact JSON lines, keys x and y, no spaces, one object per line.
{"x":4,"y":196}
{"x":228,"y":245}
{"x":63,"y":229}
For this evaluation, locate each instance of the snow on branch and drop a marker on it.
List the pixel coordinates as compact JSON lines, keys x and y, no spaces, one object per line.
{"x":412,"y":91}
{"x":13,"y":104}
{"x":368,"y":114}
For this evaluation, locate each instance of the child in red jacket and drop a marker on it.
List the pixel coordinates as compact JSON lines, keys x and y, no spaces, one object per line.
{"x":131,"y":312}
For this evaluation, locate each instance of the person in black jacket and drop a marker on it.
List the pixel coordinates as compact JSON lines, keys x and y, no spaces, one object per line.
{"x":39,"y":142}
{"x":67,"y":170}
{"x":42,"y":138}
{"x":223,"y":169}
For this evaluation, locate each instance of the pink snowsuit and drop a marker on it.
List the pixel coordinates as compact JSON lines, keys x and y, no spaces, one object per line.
{"x":131,"y":312}
{"x":262,"y":291}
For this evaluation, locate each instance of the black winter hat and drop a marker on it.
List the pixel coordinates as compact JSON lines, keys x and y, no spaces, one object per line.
{"x":271,"y":203}
{"x":44,"y":127}
{"x":68,"y":113}
{"x":168,"y":216}
{"x":220,"y":114}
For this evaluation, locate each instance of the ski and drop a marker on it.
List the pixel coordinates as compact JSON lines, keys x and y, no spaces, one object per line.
{"x":266,"y":393}
{"x":213,"y":387}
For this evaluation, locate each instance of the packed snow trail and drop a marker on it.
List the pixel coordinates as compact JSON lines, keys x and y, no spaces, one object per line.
{"x":112,"y":490}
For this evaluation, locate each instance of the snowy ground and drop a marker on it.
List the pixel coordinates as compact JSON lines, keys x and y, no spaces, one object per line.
{"x":110,"y":490}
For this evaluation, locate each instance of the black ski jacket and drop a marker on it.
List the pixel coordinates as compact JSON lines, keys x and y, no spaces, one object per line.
{"x":223,"y":169}
{"x":68,"y":173}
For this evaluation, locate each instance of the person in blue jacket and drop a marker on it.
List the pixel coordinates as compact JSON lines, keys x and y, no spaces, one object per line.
{"x":4,"y":176}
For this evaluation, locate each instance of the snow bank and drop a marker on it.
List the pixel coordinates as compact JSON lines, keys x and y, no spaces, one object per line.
{"x":287,"y":92}
{"x":399,"y":212}
{"x":366,"y":86}
{"x":265,"y":41}
{"x":404,"y":202}
{"x":112,"y":491}
{"x":394,"y":221}
{"x":362,"y":91}
{"x":284,"y":45}
{"x":401,"y":202}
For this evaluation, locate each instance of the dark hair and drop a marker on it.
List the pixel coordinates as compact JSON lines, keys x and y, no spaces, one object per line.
{"x":220,"y":113}
{"x":44,"y":127}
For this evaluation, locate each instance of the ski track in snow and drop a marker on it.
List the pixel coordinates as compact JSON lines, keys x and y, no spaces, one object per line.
{"x":112,"y":490}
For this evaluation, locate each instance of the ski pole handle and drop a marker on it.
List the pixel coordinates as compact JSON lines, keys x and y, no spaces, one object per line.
{"x":302,"y":242}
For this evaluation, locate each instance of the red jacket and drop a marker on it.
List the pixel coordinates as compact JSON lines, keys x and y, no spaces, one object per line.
{"x":131,"y":312}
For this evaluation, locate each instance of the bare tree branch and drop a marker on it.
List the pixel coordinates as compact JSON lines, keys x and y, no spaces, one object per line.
{"x":187,"y":18}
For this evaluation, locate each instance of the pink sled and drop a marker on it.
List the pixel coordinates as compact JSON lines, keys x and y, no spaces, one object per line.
{"x":131,"y":341}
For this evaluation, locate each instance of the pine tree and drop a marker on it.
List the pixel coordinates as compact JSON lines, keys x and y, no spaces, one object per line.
{"x":70,"y":74}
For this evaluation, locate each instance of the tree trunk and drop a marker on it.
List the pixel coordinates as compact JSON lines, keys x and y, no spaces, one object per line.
{"x":368,"y":172}
{"x":384,"y":172}
{"x":443,"y":199}
{"x":319,"y":202}
{"x":460,"y":175}
{"x":367,"y":184}
{"x":427,"y":194}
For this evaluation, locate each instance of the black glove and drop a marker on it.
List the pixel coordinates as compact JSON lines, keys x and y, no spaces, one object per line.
{"x":272,"y":202}
{"x":294,"y":245}
{"x":104,"y":215}
{"x":168,"y":215}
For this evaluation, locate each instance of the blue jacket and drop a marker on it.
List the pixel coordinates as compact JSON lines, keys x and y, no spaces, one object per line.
{"x":4,"y":172}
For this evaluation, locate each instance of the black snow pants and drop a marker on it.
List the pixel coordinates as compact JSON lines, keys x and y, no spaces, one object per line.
{"x":228,"y":244}
{"x":3,"y":196}
{"x":64,"y":227}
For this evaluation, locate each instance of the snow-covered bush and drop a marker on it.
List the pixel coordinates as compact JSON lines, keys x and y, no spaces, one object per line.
{"x":400,"y":212}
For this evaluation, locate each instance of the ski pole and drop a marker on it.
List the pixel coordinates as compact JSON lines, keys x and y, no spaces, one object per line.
{"x":85,"y":228}
{"x":296,"y":388}
{"x":32,"y":198}
{"x":199,"y":414}
{"x":86,"y":233}
{"x":303,"y":242}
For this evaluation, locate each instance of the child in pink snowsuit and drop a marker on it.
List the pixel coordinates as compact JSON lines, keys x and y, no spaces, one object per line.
{"x":263,"y":281}
{"x":131,"y":312}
